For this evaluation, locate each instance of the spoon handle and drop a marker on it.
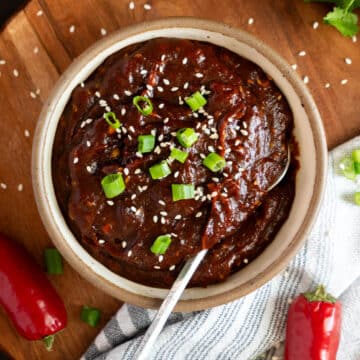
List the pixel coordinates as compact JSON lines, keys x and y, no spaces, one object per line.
{"x":168,"y":305}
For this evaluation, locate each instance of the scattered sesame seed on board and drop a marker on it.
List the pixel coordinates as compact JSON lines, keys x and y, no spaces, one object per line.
{"x":327,"y":85}
{"x":306,"y":79}
{"x":35,"y":50}
{"x":354,"y":38}
{"x":2,"y":62}
{"x":20,"y":187}
{"x":251,"y":21}
{"x":294,"y":66}
{"x":315,"y":25}
{"x":72,"y":29}
{"x":344,"y":81}
{"x":246,"y":261}
{"x":15,"y":72}
{"x":103,"y":31}
{"x":3,"y":186}
{"x":39,"y":13}
{"x":27,"y":133}
{"x":302,"y":53}
{"x":131,"y":5}
{"x":348,"y":61}
{"x":147,"y":7}
{"x":32,"y":95}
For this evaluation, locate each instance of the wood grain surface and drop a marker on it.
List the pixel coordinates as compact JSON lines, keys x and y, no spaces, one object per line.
{"x":37,"y":45}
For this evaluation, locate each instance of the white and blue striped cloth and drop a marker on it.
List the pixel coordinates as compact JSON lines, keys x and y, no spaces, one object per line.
{"x":248,"y":327}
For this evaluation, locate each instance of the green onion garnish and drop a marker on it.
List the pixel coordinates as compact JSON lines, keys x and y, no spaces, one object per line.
{"x":347,"y":167}
{"x":90,"y":315}
{"x":179,"y":155}
{"x":182,"y":191}
{"x":112,"y":120}
{"x":146,"y":143}
{"x":214,"y":162}
{"x":196,"y":101}
{"x":53,"y":261}
{"x":161,"y":244}
{"x":113,"y":185}
{"x":357,"y":198}
{"x":356,"y":158}
{"x":160,"y":170}
{"x":187,"y":137}
{"x":145,"y":109}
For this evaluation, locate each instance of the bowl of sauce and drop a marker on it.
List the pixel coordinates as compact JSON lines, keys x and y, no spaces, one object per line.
{"x":163,"y":139}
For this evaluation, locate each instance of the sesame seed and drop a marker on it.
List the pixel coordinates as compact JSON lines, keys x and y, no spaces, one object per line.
{"x":172,"y":267}
{"x":211,"y":148}
{"x":103,"y":31}
{"x":199,"y":75}
{"x":354,"y":38}
{"x":137,"y":171}
{"x":162,"y":202}
{"x":184,"y":60}
{"x":161,"y":106}
{"x":127,"y":92}
{"x":163,"y":220}
{"x":97,"y":94}
{"x":116,"y":97}
{"x":149,"y":87}
{"x":39,"y":13}
{"x":327,"y":85}
{"x":215,"y":179}
{"x":27,"y":133}
{"x":181,"y":102}
{"x":101,"y":241}
{"x":89,"y":169}
{"x":246,"y":261}
{"x":244,"y":132}
{"x":107,"y":108}
{"x":155,"y":219}
{"x":157,"y":150}
{"x":72,"y":29}
{"x":198,"y":214}
{"x":163,"y":56}
{"x":315,"y":25}
{"x":160,"y":89}
{"x":88,"y":143}
{"x":161,"y":258}
{"x":129,"y":253}
{"x":110,"y":202}
{"x":156,"y":267}
{"x":133,"y":208}
{"x":166,"y":81}
{"x":123,"y":244}
{"x":139,"y":155}
{"x":20,"y":187}
{"x":251,"y":21}
{"x":344,"y":81}
{"x":133,"y":197}
{"x":176,"y":174}
{"x":147,"y":6}
{"x":126,"y":171}
{"x":214,"y":136}
{"x":178,"y":217}
{"x":37,"y":91}
{"x":124,"y":129}
{"x":294,"y":66}
{"x":348,"y":61}
{"x":306,"y":79}
{"x":143,"y":72}
{"x":2,"y":62}
{"x":163,"y":213}
{"x":132,"y":129}
{"x":302,"y":53}
{"x":35,"y":50}
{"x":186,"y":85}
{"x":76,"y":160}
{"x":3,"y":186}
{"x":16,"y":72}
{"x":175,"y":88}
{"x":131,"y":5}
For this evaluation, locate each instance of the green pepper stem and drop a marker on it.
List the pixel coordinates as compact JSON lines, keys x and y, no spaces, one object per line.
{"x":320,"y":294}
{"x":49,"y":341}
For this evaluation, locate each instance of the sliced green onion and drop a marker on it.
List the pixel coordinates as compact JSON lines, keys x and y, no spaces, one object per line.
{"x":145,"y":109}
{"x":357,"y":198}
{"x":90,"y":315}
{"x":187,"y":137}
{"x":49,"y":341}
{"x":356,"y":158}
{"x":196,"y":101}
{"x":160,"y":170}
{"x":53,"y":261}
{"x":179,"y":155}
{"x":113,"y":185}
{"x":161,"y":244}
{"x":146,"y":143}
{"x":112,"y":120}
{"x":214,"y":162}
{"x":347,"y":166}
{"x":182,"y":191}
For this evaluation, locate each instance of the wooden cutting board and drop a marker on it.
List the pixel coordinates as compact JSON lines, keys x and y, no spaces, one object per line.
{"x":37,"y":45}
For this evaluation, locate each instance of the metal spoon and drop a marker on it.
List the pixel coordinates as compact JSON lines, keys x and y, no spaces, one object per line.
{"x":177,"y":289}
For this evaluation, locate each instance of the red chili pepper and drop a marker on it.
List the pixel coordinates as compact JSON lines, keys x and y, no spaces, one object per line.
{"x":27,"y":295}
{"x":313,"y":327}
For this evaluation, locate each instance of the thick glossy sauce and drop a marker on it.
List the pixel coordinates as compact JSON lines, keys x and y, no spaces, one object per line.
{"x":246,"y":120}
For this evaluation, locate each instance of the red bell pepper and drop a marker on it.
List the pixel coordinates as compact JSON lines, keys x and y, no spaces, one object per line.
{"x":313,"y":327}
{"x":27,"y":296}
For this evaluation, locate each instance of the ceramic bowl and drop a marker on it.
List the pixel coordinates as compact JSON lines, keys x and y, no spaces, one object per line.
{"x":310,"y":179}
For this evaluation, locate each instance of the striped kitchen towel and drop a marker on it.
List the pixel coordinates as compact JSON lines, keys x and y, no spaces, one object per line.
{"x":248,"y":327}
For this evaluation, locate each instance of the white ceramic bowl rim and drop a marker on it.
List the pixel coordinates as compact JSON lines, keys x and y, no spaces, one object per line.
{"x":310,"y":180}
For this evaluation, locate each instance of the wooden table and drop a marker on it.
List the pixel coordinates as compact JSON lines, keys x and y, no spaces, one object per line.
{"x":38,"y":46}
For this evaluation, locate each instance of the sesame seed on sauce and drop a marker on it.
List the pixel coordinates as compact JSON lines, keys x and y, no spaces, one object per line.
{"x":107,"y":108}
{"x":72,"y":29}
{"x":124,"y":129}
{"x":198,"y":214}
{"x":131,"y":5}
{"x":163,"y":56}
{"x":184,"y":60}
{"x":178,"y":217}
{"x":76,"y":160}
{"x":160,"y":89}
{"x":166,"y":81}
{"x":133,"y":208}
{"x":126,"y":171}
{"x":354,"y":38}
{"x":157,"y":150}
{"x":2,"y":62}
{"x":137,"y":171}
{"x":214,"y":194}
{"x":110,"y":202}
{"x":89,"y":169}
{"x":327,"y":85}
{"x":172,"y":267}
{"x":101,"y":241}
{"x":306,"y":79}
{"x":156,"y":267}
{"x":103,"y":31}
{"x":97,"y":94}
{"x":203,"y":156}
{"x":163,"y":220}
{"x":344,"y":81}
{"x":155,"y":219}
{"x":32,"y":95}
{"x":186,"y":85}
{"x":116,"y":97}
{"x":315,"y":25}
{"x":215,"y":179}
{"x":133,"y":197}
{"x":163,"y":213}
{"x":161,"y":258}
{"x":127,"y":92}
{"x":176,"y":174}
{"x":123,"y":244}
{"x":244,"y":132}
{"x":181,"y":102}
{"x":3,"y":186}
{"x":348,"y":61}
{"x":147,"y":6}
{"x":161,"y":106}
{"x":20,"y":187}
{"x":199,"y":75}
{"x":174,"y":89}
{"x":39,"y":13}
{"x":162,"y":202}
{"x":139,"y":155}
{"x":129,"y":137}
{"x":27,"y":133}
{"x":302,"y":53}
{"x":123,"y":111}
{"x":132,"y":129}
{"x":149,"y":87}
{"x":143,"y":72}
{"x":88,"y":143}
{"x":160,"y":137}
{"x":211,"y":148}
{"x":246,"y":261}
{"x":129,"y":253}
{"x":16,"y":72}
{"x":251,"y":21}
{"x":195,"y":115}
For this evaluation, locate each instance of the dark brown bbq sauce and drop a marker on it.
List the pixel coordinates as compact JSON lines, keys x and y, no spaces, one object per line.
{"x":246,"y":120}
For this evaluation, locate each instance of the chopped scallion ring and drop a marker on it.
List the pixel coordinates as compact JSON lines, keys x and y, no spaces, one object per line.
{"x":161,"y":244}
{"x":146,"y":108}
{"x":179,"y":155}
{"x":356,"y":158}
{"x":182,"y":191}
{"x":187,"y":137}
{"x":196,"y":101}
{"x":347,"y":166}
{"x":160,"y":170}
{"x":90,"y":315}
{"x":146,"y":143}
{"x":53,"y":261}
{"x":357,"y":198}
{"x":214,"y":162}
{"x":112,"y":120}
{"x":113,"y":185}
